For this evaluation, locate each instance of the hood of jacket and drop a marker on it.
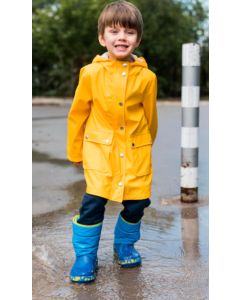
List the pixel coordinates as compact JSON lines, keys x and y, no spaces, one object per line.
{"x":110,"y":65}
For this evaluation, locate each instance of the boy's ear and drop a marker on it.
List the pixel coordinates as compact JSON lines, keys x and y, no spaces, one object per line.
{"x":101,"y":40}
{"x":138,"y":42}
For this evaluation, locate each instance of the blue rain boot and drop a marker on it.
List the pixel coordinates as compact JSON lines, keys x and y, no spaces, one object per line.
{"x":126,"y":234}
{"x":85,"y":242}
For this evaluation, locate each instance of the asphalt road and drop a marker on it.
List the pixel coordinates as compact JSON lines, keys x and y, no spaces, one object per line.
{"x":174,"y":237}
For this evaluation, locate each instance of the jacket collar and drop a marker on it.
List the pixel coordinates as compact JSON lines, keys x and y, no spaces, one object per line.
{"x":112,"y":66}
{"x":134,"y":57}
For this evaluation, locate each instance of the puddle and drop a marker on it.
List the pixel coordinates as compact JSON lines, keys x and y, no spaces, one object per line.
{"x":173,"y":246}
{"x":50,"y":176}
{"x":44,"y":157}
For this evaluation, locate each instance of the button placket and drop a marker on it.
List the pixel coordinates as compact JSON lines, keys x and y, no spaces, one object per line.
{"x":120,"y":122}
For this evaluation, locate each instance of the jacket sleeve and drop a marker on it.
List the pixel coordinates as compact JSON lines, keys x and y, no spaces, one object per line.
{"x":150,"y":107}
{"x":77,"y":117}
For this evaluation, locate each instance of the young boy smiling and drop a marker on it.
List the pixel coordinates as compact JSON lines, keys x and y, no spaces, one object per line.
{"x":120,"y":42}
{"x":112,"y":126}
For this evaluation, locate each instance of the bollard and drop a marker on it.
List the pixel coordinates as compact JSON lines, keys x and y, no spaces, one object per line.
{"x":190,"y":121}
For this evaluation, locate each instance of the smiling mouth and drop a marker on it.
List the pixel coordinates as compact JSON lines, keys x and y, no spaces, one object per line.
{"x":121,"y":46}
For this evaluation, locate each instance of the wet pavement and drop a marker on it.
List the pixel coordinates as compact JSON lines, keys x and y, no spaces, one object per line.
{"x":174,"y":236}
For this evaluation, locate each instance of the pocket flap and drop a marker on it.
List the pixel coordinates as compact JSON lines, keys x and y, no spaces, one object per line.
{"x":141,"y":140}
{"x":99,"y":137}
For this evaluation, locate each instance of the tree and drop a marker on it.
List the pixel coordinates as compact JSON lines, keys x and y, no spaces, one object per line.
{"x":204,"y":77}
{"x":65,"y":39}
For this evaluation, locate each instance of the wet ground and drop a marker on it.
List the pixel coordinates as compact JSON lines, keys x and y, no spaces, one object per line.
{"x":174,"y":236}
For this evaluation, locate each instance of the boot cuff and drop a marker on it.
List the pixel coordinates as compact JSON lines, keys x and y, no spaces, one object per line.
{"x":126,"y":226}
{"x":86,"y":230}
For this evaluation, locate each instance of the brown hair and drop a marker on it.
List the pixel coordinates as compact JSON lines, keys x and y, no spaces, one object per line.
{"x":123,"y":13}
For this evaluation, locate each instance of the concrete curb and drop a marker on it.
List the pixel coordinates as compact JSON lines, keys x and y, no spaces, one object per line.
{"x":68,"y":101}
{"x":51,"y":101}
{"x":177,"y":103}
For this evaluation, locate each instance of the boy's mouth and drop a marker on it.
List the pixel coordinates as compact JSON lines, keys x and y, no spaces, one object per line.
{"x":121,"y":46}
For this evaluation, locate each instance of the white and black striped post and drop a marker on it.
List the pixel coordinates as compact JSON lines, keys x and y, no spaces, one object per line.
{"x":190,"y":121}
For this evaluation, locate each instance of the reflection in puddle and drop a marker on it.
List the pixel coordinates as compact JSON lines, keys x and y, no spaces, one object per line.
{"x":190,"y":232}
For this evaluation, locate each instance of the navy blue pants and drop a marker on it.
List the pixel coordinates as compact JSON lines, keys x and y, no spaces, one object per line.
{"x":93,"y":208}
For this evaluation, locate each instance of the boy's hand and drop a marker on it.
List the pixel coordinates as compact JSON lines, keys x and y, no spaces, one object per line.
{"x":79,"y":164}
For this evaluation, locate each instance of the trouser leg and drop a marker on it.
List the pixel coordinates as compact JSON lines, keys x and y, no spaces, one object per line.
{"x":134,"y":210}
{"x":92,"y":210}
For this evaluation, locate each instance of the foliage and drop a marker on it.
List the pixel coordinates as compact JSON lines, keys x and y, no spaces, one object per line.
{"x":65,"y":38}
{"x":204,"y":79}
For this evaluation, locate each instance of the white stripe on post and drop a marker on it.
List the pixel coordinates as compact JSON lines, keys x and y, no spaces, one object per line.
{"x":190,"y":117}
{"x":189,"y":137}
{"x":190,"y":96}
{"x":189,"y":177}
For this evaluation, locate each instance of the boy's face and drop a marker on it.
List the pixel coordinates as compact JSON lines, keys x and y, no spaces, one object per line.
{"x":120,"y":42}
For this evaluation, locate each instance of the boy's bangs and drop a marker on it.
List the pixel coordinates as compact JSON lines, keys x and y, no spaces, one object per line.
{"x":121,"y":18}
{"x":123,"y":14}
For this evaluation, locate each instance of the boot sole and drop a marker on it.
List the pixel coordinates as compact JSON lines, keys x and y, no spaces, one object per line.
{"x":128,"y":263}
{"x":82,"y":278}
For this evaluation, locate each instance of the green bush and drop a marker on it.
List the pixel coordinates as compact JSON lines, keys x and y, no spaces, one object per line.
{"x":65,"y":39}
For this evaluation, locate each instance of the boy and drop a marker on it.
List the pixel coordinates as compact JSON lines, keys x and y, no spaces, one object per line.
{"x":112,"y":125}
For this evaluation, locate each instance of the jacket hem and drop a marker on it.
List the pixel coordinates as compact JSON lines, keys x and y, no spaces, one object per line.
{"x":136,"y":197}
{"x":97,"y":192}
{"x":101,"y":193}
{"x":74,"y":159}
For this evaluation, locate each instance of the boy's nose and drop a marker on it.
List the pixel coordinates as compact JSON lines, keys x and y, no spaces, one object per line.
{"x":122,"y":36}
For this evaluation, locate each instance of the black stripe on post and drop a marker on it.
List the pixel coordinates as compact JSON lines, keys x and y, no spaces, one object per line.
{"x":191,"y":76}
{"x":190,"y":116}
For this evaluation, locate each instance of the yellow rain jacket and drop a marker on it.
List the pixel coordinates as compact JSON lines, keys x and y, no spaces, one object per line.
{"x":112,"y":126}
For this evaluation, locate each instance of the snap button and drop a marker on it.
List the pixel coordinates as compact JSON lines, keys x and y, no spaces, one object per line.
{"x":133,"y":144}
{"x":107,"y":141}
{"x":86,"y":136}
{"x":150,"y":140}
{"x":120,"y":103}
{"x":121,"y":127}
{"x":120,"y":183}
{"x":125,"y":65}
{"x":124,"y":74}
{"x":121,"y":155}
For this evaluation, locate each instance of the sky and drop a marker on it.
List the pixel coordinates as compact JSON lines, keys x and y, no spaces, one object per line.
{"x":205,"y":4}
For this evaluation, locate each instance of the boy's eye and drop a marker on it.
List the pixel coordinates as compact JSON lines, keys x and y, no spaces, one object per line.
{"x":115,"y":31}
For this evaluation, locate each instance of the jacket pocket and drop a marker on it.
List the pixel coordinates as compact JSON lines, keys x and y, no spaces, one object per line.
{"x":141,"y":146}
{"x":96,"y":150}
